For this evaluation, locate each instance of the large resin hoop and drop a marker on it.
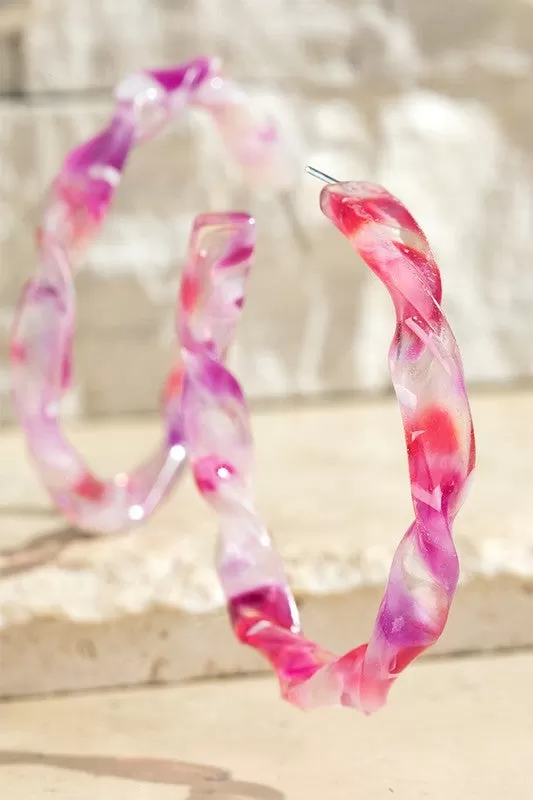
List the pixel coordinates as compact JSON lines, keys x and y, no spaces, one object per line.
{"x":428,"y":378}
{"x":78,"y":203}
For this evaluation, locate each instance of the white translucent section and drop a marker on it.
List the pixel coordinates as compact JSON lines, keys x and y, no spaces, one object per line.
{"x":406,"y":397}
{"x":220,"y":94}
{"x":324,"y":688}
{"x":57,"y":225}
{"x":108,"y":516}
{"x":39,"y":332}
{"x":137,"y":87}
{"x":104,"y":172}
{"x":146,"y":101}
{"x":215,"y":425}
{"x":246,"y":557}
{"x":253,"y":141}
{"x":60,"y":467}
{"x":431,"y":499}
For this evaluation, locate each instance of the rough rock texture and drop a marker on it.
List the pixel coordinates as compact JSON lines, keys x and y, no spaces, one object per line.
{"x":453,"y":728}
{"x":328,"y":43}
{"x":332,"y":486}
{"x":433,"y":99}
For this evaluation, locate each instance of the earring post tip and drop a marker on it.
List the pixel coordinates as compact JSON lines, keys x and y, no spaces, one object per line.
{"x":322,"y":176}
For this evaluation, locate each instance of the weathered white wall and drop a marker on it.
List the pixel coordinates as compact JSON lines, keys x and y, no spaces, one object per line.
{"x":432,"y":99}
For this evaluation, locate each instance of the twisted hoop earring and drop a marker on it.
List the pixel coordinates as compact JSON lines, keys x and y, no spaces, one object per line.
{"x":78,"y":203}
{"x":428,"y":378}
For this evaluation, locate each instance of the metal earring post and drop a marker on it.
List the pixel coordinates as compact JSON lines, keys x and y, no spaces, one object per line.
{"x":320,"y":175}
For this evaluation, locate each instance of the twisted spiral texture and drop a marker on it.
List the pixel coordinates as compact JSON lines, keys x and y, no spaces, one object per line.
{"x":427,"y":374}
{"x":77,"y":205}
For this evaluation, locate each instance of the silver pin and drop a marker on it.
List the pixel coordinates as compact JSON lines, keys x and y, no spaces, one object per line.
{"x":320,"y":175}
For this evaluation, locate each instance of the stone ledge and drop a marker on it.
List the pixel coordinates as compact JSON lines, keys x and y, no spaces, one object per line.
{"x":452,"y":729}
{"x":332,"y":485}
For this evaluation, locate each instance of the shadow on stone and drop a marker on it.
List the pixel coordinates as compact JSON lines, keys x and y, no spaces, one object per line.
{"x":203,"y":780}
{"x":37,"y":551}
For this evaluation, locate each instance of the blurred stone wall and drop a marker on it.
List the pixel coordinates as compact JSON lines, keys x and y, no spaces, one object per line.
{"x":432,"y":99}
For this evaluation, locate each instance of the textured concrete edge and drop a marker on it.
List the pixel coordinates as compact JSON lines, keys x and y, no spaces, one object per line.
{"x":164,"y":645}
{"x":129,"y":584}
